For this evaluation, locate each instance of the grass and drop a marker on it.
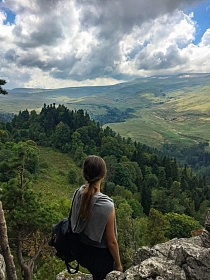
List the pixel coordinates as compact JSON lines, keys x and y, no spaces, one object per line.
{"x":53,"y":178}
{"x":183,"y":118}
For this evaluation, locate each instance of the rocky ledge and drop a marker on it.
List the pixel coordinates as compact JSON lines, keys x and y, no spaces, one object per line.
{"x":177,"y":259}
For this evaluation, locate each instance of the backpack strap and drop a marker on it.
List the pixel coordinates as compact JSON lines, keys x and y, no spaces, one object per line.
{"x":70,"y":268}
{"x":72,"y":204}
{"x":71,"y":208}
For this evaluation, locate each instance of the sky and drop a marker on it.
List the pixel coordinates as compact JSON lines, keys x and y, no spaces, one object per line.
{"x":63,"y":43}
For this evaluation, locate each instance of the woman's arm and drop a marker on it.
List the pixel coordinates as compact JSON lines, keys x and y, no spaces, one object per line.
{"x":112,"y":241}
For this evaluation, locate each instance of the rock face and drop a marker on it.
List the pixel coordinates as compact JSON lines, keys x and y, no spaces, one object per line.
{"x":2,"y":268}
{"x":177,"y":259}
{"x":78,"y":276}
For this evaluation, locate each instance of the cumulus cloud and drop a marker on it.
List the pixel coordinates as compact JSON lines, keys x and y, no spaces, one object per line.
{"x":61,"y":42}
{"x":206,"y":38}
{"x":158,"y":45}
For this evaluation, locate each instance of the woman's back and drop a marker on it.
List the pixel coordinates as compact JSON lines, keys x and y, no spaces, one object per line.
{"x":92,"y":229}
{"x":93,"y":218}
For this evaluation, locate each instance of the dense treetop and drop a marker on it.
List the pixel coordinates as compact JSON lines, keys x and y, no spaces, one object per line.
{"x":157,"y":181}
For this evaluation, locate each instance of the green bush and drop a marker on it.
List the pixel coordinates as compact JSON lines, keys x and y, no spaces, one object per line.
{"x":180,"y":225}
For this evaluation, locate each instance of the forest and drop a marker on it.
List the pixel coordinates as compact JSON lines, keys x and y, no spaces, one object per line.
{"x":156,"y":197}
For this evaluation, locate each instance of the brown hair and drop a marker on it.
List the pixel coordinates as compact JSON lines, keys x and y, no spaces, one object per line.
{"x":94,"y":169}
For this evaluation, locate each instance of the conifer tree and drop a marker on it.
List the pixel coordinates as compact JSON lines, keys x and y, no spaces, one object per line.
{"x":2,"y":91}
{"x":155,"y":227}
{"x":146,"y":198}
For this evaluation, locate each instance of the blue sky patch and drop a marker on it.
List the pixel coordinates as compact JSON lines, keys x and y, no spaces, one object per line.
{"x":202,"y":18}
{"x":10,"y":19}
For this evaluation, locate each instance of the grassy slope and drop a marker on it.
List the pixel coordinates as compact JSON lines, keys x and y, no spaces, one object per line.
{"x":180,"y":118}
{"x":53,"y":178}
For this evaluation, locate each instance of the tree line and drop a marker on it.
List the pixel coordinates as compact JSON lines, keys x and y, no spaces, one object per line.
{"x":196,"y":156}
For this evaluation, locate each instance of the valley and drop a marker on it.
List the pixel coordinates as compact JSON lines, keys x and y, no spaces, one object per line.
{"x":154,"y":111}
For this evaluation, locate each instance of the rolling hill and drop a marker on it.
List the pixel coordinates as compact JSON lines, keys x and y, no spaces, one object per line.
{"x":154,"y":110}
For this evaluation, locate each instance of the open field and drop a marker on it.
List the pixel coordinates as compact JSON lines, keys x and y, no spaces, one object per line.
{"x":185,"y":119}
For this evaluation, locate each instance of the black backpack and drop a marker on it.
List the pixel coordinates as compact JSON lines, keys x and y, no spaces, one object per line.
{"x":65,"y":243}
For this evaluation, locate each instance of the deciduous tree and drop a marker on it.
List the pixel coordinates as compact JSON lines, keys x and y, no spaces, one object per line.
{"x":179,"y":226}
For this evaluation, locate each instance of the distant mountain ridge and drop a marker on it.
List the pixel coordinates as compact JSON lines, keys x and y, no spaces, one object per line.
{"x":192,"y":79}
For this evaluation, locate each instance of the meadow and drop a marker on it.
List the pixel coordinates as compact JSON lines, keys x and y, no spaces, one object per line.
{"x":179,"y":118}
{"x":53,"y":175}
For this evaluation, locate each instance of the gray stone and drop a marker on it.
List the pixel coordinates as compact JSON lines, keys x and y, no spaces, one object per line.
{"x":115,"y":275}
{"x":205,"y":238}
{"x":132,"y":273}
{"x":207,"y":221}
{"x":2,"y":268}
{"x":142,"y":254}
{"x":64,"y":275}
{"x":161,"y":267}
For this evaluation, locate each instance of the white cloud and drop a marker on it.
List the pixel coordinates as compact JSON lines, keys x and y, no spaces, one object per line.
{"x":205,"y":39}
{"x":157,"y":45}
{"x":59,"y":43}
